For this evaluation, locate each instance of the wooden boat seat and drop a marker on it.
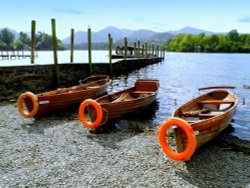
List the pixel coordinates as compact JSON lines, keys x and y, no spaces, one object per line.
{"x":137,"y":94}
{"x":216,"y":102}
{"x":200,"y":115}
{"x":190,"y":122}
{"x":123,"y":97}
{"x":92,"y":87}
{"x":194,"y":113}
{"x":143,"y":92}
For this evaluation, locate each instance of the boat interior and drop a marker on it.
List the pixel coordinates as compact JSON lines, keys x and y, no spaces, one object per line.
{"x":81,"y":87}
{"x":211,"y":105}
{"x":142,"y":89}
{"x":129,"y":96}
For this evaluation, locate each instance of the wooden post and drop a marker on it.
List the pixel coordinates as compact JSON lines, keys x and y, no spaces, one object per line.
{"x":33,"y":41}
{"x":153,"y":49}
{"x":139,"y":51}
{"x":135,"y":50}
{"x":142,"y":52}
{"x":163,"y":51}
{"x":89,"y":50}
{"x":160,"y":51}
{"x":125,"y":48}
{"x":110,"y":41}
{"x":146,"y":49}
{"x":54,"y":44}
{"x":157,"y":51}
{"x":72,"y":46}
{"x":149,"y":51}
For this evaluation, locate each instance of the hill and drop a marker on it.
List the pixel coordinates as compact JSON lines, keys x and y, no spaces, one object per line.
{"x":132,"y":35}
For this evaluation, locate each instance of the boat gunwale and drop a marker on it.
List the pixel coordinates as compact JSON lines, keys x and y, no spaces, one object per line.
{"x":74,"y":91}
{"x":214,"y":118}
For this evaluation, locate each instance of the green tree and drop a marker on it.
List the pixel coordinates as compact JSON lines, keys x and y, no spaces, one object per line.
{"x":187,"y":44}
{"x":233,"y":35}
{"x":19,"y":45}
{"x":7,"y":37}
{"x":231,"y":42}
{"x":3,"y":46}
{"x":44,"y":42}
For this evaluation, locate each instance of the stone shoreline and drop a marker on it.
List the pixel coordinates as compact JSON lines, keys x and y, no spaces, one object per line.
{"x":57,"y":151}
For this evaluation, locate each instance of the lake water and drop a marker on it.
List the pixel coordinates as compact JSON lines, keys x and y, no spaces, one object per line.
{"x":180,"y":75}
{"x":46,"y":57}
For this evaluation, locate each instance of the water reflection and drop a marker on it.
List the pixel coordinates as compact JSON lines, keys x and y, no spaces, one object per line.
{"x":182,"y":73}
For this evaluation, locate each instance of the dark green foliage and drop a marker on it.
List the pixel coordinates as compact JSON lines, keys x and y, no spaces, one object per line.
{"x":6,"y":39}
{"x":232,"y":42}
{"x":23,"y":42}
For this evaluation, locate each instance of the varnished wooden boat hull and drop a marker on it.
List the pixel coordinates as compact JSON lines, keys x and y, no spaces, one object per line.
{"x":140,"y":97}
{"x":67,"y":97}
{"x":208,"y":125}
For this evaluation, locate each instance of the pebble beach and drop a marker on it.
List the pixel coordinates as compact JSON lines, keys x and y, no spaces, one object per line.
{"x":57,"y":151}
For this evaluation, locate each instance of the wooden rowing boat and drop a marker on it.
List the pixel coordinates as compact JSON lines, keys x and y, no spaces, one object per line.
{"x":94,"y":78}
{"x":36,"y":105}
{"x":198,"y":121}
{"x":117,"y":105}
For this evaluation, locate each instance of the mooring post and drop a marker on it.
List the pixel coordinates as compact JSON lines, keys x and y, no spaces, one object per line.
{"x":33,"y":41}
{"x":149,"y":51}
{"x":125,"y":48}
{"x":72,"y":46}
{"x":146,"y":49}
{"x":157,"y":51}
{"x":135,"y":50}
{"x":163,"y":52}
{"x":142,"y":51}
{"x":153,"y":50}
{"x":89,"y":50}
{"x":139,"y":51}
{"x":110,"y":41}
{"x":54,"y":44}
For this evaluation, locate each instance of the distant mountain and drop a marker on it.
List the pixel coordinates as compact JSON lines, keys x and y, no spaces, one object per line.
{"x":141,"y":34}
{"x":191,"y":30}
{"x":100,"y":36}
{"x":117,"y":35}
{"x":132,"y":35}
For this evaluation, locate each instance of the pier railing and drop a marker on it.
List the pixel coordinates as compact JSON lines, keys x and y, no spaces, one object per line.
{"x":15,"y":54}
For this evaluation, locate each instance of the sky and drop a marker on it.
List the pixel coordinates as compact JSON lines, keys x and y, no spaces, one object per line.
{"x":155,"y":15}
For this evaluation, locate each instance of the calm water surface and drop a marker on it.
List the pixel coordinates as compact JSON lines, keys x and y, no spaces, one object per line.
{"x":46,"y":57}
{"x":182,"y":73}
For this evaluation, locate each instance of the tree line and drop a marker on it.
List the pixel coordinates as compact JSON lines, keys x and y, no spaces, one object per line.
{"x":232,"y":42}
{"x":43,"y":41}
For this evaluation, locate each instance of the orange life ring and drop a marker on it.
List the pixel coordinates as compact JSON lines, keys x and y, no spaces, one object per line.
{"x":190,"y":149}
{"x":98,"y":109}
{"x":34,"y":100}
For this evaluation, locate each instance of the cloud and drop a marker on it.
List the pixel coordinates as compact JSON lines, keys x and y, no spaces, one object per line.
{"x":138,"y":19}
{"x":69,"y":11}
{"x":245,"y":19}
{"x":159,"y":26}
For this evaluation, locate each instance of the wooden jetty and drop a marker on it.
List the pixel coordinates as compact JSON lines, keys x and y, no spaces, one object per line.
{"x":9,"y":55}
{"x":49,"y":77}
